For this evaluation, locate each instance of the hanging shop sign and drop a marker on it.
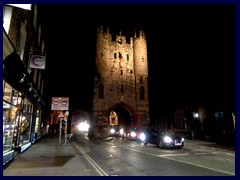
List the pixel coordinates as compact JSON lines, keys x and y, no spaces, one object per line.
{"x":37,"y":61}
{"x":59,"y":103}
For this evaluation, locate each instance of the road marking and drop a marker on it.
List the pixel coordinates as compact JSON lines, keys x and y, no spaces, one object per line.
{"x":162,"y":156}
{"x":91,"y":161}
{"x":167,"y":155}
{"x":157,"y":155}
{"x":201,"y":153}
{"x":201,"y":166}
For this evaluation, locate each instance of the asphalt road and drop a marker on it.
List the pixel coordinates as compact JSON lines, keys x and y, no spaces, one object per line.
{"x":117,"y":157}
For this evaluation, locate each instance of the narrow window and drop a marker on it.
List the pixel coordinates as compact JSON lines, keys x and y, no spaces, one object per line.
{"x":122,"y":88}
{"x":100,"y":91}
{"x":121,"y":72}
{"x":127,"y":57}
{"x":141,"y":93}
{"x":115,"y":55}
{"x":119,"y":55}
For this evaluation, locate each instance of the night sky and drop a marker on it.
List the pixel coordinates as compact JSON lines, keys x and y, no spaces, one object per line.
{"x":190,"y":50}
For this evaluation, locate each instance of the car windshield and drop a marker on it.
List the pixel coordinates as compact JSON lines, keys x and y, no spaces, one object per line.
{"x":115,"y":127}
{"x":134,"y":129}
{"x":165,"y":131}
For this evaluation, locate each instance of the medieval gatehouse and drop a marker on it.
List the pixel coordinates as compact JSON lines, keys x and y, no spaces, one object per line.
{"x":121,"y":83}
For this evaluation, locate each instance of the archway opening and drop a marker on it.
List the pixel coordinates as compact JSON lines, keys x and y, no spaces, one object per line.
{"x":120,"y":116}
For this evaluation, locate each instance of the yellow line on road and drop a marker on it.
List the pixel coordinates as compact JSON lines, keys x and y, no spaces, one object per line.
{"x":91,"y":161}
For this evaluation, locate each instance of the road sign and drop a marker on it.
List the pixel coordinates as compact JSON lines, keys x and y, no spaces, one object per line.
{"x":60,"y":103}
{"x":64,"y":101}
{"x":56,"y":101}
{"x":61,"y":115}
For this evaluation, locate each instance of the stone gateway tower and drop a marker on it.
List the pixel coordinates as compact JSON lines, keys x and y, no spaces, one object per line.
{"x":121,"y":84}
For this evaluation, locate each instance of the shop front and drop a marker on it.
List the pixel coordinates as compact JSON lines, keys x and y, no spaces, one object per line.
{"x":22,"y":104}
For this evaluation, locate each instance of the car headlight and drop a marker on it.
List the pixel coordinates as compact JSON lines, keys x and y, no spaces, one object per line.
{"x":142,"y":136}
{"x":133,"y":134}
{"x":182,"y":139}
{"x":112,"y":130}
{"x":167,"y":139}
{"x":84,"y":126}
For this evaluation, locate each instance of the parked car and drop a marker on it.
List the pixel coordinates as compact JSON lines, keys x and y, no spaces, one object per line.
{"x":134,"y":133}
{"x":162,"y":138}
{"x":116,"y":131}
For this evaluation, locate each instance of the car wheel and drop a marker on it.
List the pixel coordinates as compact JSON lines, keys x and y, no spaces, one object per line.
{"x":160,"y":144}
{"x":145,"y":142}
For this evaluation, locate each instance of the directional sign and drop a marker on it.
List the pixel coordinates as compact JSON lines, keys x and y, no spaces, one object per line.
{"x":60,"y":103}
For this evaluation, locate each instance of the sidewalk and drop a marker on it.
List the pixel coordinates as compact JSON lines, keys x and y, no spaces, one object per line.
{"x":48,"y":158}
{"x":208,"y":145}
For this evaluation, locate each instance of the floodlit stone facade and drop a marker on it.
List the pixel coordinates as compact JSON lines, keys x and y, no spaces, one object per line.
{"x":121,"y":83}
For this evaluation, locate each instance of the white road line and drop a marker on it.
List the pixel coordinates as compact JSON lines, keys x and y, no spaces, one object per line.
{"x":201,"y":166}
{"x":200,"y":153}
{"x":157,"y":155}
{"x":91,"y":161}
{"x":165,"y":156}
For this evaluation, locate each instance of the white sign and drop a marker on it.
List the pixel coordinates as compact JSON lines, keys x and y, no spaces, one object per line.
{"x":61,"y":115}
{"x":60,"y":103}
{"x":67,"y":113}
{"x":37,"y":62}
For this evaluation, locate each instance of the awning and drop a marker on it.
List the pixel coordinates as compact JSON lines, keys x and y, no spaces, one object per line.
{"x":15,"y":73}
{"x":7,"y":45}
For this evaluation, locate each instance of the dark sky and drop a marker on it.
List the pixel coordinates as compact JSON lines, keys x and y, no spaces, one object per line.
{"x":190,"y":50}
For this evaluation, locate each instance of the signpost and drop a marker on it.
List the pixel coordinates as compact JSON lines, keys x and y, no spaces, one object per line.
{"x":67,"y":113}
{"x":61,"y":116}
{"x":61,"y":103}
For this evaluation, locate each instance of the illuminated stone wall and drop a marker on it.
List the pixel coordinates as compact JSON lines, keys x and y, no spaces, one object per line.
{"x":122,"y":68}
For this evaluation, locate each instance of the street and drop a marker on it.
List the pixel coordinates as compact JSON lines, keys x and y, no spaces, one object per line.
{"x":122,"y":157}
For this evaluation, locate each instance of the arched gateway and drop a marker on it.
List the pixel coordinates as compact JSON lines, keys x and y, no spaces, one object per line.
{"x":121,"y":114}
{"x":121,"y":82}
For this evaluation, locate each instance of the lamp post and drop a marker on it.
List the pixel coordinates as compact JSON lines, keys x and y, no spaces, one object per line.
{"x":195,"y":124}
{"x":67,"y":113}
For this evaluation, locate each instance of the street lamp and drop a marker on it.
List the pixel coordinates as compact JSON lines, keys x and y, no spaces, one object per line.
{"x":195,"y":115}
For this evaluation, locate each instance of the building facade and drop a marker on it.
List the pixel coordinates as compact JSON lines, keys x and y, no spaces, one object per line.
{"x":22,"y":85}
{"x":121,"y":83}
